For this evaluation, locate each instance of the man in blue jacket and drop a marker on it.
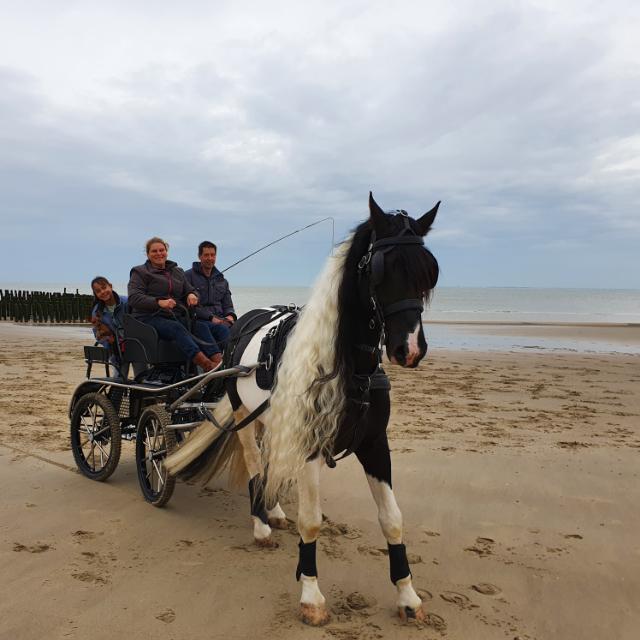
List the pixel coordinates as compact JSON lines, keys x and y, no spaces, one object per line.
{"x":215,"y":306}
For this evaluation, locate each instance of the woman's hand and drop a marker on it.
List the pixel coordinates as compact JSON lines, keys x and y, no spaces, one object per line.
{"x":192,"y":299}
{"x":169,"y":303}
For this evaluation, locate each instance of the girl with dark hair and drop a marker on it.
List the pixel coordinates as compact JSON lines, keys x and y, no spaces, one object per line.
{"x":107,"y":313}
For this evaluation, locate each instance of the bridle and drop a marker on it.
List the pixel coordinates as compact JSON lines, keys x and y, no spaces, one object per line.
{"x":371,"y":266}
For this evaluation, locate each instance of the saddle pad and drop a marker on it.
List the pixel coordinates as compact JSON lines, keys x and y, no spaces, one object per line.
{"x":244,"y":330}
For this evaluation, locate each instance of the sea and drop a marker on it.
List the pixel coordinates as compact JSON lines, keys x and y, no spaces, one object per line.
{"x":455,"y":314}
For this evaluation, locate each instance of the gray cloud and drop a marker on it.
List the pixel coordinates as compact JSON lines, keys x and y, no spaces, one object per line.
{"x":522,"y":120}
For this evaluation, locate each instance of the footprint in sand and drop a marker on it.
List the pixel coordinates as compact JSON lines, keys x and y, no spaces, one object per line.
{"x":168,"y":616}
{"x":458,"y":599}
{"x":184,"y":543}
{"x":372,"y":551}
{"x":424,"y":595}
{"x":483,"y":547}
{"x":356,"y":601}
{"x":436,"y":622}
{"x":88,"y":576}
{"x":252,"y":547}
{"x":486,"y":589}
{"x":331,"y":528}
{"x":80,"y":534}
{"x":34,"y":548}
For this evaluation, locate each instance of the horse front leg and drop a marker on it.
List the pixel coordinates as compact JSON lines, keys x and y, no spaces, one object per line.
{"x":376,"y":461}
{"x":253,"y":462}
{"x":313,"y":610}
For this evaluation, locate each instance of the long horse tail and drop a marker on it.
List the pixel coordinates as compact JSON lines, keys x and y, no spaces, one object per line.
{"x":208,"y":450}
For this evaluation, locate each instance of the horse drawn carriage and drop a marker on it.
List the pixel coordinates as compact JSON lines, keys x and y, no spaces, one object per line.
{"x":331,"y":397}
{"x":154,"y":397}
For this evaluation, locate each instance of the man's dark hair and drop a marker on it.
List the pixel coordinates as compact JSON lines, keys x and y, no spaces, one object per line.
{"x":206,"y":245}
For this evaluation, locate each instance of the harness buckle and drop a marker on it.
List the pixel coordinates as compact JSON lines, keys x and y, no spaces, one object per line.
{"x":364,"y":261}
{"x":269,"y":362}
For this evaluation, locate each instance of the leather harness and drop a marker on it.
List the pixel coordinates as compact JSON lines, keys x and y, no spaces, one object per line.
{"x":371,"y":267}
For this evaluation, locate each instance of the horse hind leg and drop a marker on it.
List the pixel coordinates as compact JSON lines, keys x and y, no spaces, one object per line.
{"x":376,"y":461}
{"x":276,"y":517}
{"x":253,"y":462}
{"x":313,"y":609}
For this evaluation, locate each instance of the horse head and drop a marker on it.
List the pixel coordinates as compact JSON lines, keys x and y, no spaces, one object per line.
{"x":402,"y":272}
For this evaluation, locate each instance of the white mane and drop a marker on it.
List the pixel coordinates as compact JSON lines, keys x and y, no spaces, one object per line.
{"x":303,"y":416}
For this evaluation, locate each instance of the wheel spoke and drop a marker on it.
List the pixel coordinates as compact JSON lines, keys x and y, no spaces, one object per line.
{"x":156,"y":435}
{"x":92,"y":453}
{"x":158,"y":472}
{"x":101,"y":431}
{"x":101,"y":452}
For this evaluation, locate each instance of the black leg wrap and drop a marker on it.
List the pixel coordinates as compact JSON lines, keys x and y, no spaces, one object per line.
{"x":398,"y":564}
{"x":306,"y":560}
{"x":256,"y":495}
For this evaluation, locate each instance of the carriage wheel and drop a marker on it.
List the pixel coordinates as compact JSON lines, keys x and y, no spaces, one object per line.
{"x":95,"y":436}
{"x":153,"y":442}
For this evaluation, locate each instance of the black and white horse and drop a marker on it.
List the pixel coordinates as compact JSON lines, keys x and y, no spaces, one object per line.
{"x":331,"y":395}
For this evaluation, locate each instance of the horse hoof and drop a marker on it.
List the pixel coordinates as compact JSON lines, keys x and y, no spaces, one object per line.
{"x":266,"y":543}
{"x":278,"y":523}
{"x":407,"y":614}
{"x":313,"y":615}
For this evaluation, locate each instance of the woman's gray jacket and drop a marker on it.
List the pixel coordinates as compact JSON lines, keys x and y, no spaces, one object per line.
{"x":147,"y":285}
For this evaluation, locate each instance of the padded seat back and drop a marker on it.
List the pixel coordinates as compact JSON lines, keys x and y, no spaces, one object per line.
{"x":142,"y":344}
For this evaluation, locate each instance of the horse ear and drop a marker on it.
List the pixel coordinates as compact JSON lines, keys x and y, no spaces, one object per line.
{"x":424,"y":223}
{"x":377,"y":214}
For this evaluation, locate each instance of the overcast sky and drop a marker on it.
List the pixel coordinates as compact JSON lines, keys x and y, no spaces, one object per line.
{"x":239,"y":122}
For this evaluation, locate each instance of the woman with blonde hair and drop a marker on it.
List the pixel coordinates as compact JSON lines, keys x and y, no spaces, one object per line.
{"x":155,"y":288}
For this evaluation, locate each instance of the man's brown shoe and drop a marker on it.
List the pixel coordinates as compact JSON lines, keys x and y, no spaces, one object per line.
{"x":216,"y":360}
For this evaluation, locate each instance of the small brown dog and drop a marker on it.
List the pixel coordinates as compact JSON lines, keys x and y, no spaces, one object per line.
{"x":103,"y":332}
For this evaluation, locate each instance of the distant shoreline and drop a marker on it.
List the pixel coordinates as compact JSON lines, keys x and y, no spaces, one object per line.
{"x":473,"y":323}
{"x":534,"y":323}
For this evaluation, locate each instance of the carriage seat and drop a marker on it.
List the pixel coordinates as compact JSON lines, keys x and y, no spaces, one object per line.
{"x":142,"y":344}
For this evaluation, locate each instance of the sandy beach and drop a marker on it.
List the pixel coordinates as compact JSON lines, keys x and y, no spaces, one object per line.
{"x":517,"y":474}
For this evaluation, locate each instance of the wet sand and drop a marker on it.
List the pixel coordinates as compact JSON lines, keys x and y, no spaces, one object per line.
{"x":517,"y":475}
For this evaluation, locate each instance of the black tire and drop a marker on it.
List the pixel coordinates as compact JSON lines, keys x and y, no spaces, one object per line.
{"x":153,"y":442}
{"x":95,"y":436}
